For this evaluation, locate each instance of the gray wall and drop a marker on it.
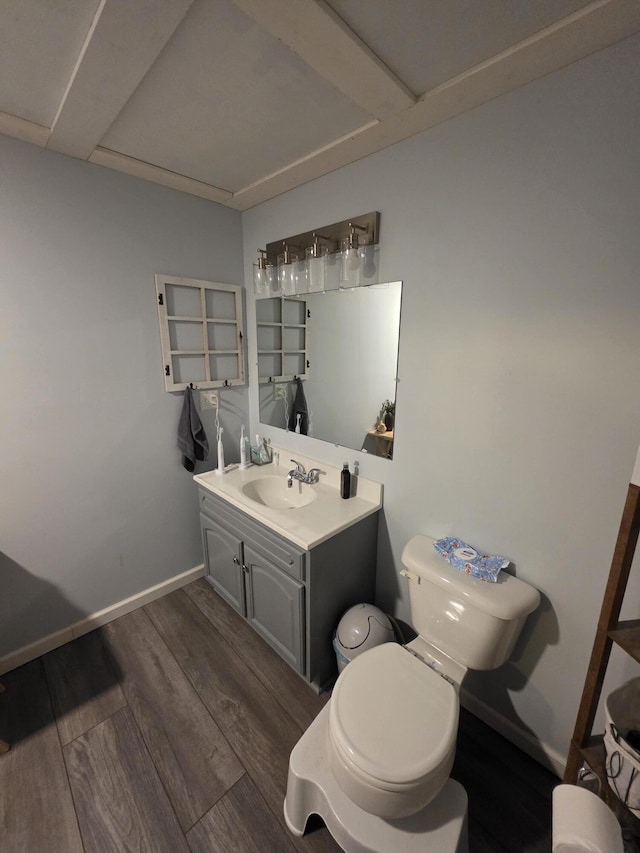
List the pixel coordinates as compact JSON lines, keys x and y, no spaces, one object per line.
{"x":515,"y":231}
{"x":94,"y":503}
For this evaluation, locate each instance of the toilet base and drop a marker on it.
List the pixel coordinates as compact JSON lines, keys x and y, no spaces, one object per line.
{"x":441,"y":827}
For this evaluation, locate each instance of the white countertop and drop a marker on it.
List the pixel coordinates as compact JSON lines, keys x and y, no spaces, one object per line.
{"x":304,"y":526}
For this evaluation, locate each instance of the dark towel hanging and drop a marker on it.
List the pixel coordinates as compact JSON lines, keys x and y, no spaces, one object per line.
{"x":299,"y":408}
{"x":192,"y":439}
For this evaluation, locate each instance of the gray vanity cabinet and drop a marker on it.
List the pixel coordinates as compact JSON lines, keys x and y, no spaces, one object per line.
{"x":292,"y":597}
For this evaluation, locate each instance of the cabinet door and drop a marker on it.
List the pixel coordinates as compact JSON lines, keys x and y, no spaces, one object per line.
{"x":275,"y":604}
{"x":222,"y":563}
{"x":200,"y":332}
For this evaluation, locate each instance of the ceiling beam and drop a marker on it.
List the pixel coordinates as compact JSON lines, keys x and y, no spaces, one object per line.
{"x":593,"y":28}
{"x":148,"y":172}
{"x":22,"y":129}
{"x":312,"y":30}
{"x":124,"y":41}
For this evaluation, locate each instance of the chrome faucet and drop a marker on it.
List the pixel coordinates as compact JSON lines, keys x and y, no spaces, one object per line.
{"x":299,"y":473}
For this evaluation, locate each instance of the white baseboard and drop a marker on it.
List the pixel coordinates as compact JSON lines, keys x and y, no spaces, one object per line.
{"x":525,"y":741}
{"x":95,"y":620}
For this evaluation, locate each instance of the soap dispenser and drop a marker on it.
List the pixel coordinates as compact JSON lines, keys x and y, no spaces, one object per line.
{"x":345,"y":481}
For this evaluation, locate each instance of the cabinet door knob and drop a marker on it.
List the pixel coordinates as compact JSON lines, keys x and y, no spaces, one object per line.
{"x":245,"y":568}
{"x":236,"y":561}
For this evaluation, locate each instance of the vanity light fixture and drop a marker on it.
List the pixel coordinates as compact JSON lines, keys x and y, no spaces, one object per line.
{"x":341,"y":255}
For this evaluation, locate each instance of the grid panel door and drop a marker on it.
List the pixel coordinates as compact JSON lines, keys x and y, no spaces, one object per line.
{"x":201,"y":333}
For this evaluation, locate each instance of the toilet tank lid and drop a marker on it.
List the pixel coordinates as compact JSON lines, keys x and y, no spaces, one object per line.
{"x":507,"y":599}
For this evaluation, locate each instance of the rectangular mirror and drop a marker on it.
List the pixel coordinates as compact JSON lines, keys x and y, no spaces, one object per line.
{"x":343,"y":346}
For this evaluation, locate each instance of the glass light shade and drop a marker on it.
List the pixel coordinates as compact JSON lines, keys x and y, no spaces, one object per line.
{"x":263,"y":280}
{"x":370,"y":263}
{"x":274,"y":284}
{"x":332,"y":271}
{"x":301,"y":274}
{"x":286,"y":277}
{"x":316,"y":274}
{"x":352,"y":262}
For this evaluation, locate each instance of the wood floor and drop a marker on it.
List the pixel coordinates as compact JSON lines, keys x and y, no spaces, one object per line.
{"x":170,"y":730}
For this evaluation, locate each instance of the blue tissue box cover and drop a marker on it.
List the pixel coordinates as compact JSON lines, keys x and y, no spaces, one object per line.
{"x":465,"y":558}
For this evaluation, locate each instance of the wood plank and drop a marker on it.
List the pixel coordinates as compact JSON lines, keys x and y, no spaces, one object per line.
{"x":253,"y":723}
{"x":4,"y":746}
{"x":261,"y":733}
{"x":36,"y":807}
{"x":83,"y":685}
{"x":287,"y":688}
{"x":522,"y":769}
{"x":22,"y":129}
{"x":193,"y":759}
{"x":506,"y":808}
{"x":481,"y":841}
{"x":324,"y":41}
{"x":226,"y":829}
{"x":124,"y":41}
{"x":148,"y":172}
{"x":120,"y":801}
{"x":626,"y":634}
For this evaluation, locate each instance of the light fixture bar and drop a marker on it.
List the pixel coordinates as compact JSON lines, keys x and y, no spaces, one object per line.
{"x":368,"y":224}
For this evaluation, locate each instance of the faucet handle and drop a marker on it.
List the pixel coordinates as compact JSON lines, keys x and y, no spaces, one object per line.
{"x":314,"y":475}
{"x":299,"y":466}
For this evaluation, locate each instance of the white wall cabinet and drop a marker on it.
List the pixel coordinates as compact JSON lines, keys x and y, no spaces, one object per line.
{"x":201,"y":333}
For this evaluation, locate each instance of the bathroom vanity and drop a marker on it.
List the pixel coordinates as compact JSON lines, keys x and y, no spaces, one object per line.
{"x":290,"y":560}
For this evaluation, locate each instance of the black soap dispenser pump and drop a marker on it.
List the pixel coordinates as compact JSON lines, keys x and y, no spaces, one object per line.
{"x":345,"y":481}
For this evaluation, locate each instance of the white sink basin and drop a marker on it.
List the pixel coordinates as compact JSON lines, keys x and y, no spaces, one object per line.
{"x":276,"y":494}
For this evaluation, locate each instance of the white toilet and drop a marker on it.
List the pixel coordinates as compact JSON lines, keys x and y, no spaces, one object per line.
{"x":392,"y":721}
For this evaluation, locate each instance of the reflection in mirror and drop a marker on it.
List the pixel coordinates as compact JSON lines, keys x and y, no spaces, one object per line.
{"x":343,"y":345}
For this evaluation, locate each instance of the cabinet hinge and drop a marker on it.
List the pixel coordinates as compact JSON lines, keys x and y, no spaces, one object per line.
{"x":167,"y":370}
{"x":160,"y":299}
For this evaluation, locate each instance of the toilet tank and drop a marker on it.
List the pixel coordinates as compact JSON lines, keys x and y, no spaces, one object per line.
{"x":472,"y":621}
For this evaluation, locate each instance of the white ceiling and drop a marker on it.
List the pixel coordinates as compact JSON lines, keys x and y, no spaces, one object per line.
{"x":240,"y":100}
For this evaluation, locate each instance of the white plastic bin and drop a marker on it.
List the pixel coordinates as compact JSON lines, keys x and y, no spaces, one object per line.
{"x":622,"y":712}
{"x":362,"y":627}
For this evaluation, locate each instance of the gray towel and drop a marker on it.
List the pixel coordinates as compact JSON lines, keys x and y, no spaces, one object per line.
{"x":192,"y":439}
{"x":299,"y":408}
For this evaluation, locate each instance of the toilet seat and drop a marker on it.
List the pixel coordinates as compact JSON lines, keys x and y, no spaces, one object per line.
{"x":392,"y":730}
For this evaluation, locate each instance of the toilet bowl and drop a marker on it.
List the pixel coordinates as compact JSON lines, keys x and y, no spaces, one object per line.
{"x":394,"y":710}
{"x":375,"y":762}
{"x":393,"y":723}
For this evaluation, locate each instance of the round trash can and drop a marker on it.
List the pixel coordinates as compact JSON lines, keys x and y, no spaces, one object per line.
{"x":362,"y":627}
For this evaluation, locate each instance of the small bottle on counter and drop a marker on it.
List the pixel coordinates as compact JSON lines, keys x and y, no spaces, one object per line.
{"x":345,"y":481}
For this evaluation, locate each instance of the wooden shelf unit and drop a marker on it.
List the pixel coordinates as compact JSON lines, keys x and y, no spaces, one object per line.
{"x":585,"y":747}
